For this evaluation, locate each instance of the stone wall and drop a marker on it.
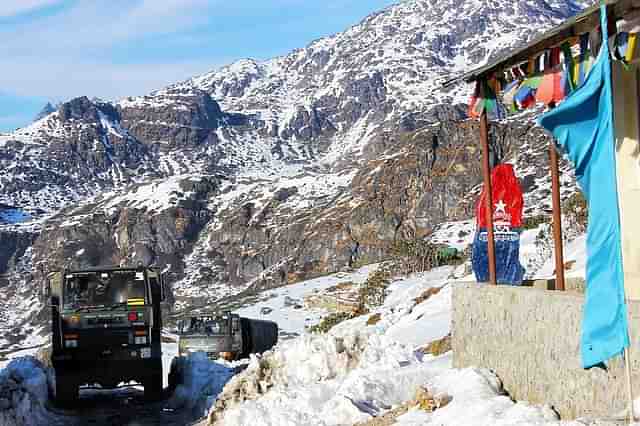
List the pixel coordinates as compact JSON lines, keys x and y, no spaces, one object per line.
{"x":530,"y":338}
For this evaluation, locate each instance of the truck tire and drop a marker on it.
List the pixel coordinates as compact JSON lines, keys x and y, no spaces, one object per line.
{"x":153,"y":387}
{"x":66,"y":390}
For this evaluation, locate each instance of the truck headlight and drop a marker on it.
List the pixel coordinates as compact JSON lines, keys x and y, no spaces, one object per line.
{"x":72,"y":321}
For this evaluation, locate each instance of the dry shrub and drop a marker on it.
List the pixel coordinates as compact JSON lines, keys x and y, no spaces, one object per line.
{"x":344,"y":285}
{"x":328,"y":322}
{"x":374,"y":319}
{"x":438,"y":347}
{"x":425,"y":401}
{"x":427,"y":294}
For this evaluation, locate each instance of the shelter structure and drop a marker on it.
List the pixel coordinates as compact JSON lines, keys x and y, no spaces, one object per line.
{"x":530,"y":337}
{"x":622,"y":14}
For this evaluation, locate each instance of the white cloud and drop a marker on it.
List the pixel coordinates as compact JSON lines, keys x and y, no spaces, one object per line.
{"x":101,"y":23}
{"x":72,"y":52}
{"x":15,"y":7}
{"x":62,"y":81}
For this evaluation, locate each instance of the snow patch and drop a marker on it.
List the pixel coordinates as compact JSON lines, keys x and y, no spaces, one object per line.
{"x":24,"y":390}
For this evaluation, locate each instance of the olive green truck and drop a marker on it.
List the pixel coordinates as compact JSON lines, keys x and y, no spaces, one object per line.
{"x":106,"y":328}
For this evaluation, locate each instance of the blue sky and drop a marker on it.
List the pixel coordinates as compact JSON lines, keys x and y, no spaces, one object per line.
{"x":54,"y":50}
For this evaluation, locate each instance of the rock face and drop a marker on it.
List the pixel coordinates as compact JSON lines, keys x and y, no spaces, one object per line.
{"x":175,"y":117}
{"x":115,"y":228}
{"x":263,"y":173}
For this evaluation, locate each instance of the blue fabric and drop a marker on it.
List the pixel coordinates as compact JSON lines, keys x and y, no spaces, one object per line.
{"x":583,"y":126}
{"x":524,"y":94}
{"x":508,"y":267}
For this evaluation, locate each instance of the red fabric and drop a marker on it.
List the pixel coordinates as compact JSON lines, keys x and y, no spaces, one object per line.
{"x":551,"y":89}
{"x":555,"y":56}
{"x":507,"y":199}
{"x":473,"y":110}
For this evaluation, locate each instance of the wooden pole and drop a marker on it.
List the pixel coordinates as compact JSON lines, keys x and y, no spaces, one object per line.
{"x":557,"y":216}
{"x":486,"y":172}
{"x":627,"y":367}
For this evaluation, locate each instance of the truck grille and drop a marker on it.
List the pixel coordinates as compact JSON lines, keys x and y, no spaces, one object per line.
{"x":99,"y":338}
{"x":105,"y":320}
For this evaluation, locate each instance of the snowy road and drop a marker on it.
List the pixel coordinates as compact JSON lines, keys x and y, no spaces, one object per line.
{"x":124,"y":406}
{"x":120,"y":407}
{"x":200,"y":383}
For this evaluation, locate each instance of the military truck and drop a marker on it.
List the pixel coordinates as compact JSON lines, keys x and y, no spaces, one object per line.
{"x":106,"y":327}
{"x":225,"y":335}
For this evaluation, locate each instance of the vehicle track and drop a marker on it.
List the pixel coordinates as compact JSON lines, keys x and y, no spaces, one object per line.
{"x":126,"y":407}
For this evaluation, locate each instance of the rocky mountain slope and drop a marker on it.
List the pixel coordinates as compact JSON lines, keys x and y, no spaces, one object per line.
{"x":264,"y":173}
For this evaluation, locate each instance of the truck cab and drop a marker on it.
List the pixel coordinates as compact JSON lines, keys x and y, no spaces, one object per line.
{"x":106,"y":328}
{"x":218,"y":335}
{"x":225,"y":335}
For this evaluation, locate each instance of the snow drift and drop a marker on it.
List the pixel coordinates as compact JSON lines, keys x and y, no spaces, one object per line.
{"x":24,"y":390}
{"x":361,"y":370}
{"x":200,"y":382}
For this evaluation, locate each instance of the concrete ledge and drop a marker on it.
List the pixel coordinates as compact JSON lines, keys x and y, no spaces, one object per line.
{"x":571,"y":284}
{"x":530,"y":338}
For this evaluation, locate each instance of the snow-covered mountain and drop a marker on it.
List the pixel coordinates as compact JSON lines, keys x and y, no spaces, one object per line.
{"x":264,"y":173}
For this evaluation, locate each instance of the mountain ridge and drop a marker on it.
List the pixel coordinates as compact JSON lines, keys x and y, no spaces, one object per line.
{"x":262,"y":175}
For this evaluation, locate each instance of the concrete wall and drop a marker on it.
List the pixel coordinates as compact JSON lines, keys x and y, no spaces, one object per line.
{"x":625,"y":97}
{"x":530,"y":338}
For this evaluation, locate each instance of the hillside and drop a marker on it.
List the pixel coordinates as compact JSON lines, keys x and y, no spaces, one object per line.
{"x":391,"y":365}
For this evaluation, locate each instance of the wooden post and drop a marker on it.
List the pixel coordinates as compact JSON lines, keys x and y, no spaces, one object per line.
{"x":486,"y":172}
{"x":627,"y":367}
{"x":557,"y":213}
{"x":557,"y":216}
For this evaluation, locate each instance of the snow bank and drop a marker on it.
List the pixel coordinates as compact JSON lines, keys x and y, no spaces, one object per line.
{"x":477,"y":400}
{"x":324,"y":380}
{"x":201,"y":380}
{"x":24,"y":390}
{"x":351,"y":374}
{"x":363,"y":369}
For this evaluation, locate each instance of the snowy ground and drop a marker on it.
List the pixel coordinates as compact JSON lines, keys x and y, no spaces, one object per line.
{"x":25,"y":396}
{"x":285,"y":302}
{"x":359,"y":371}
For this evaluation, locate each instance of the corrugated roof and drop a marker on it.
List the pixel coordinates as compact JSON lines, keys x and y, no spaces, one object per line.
{"x":579,"y":24}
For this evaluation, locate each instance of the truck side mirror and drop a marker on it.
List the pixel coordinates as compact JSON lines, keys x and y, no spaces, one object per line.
{"x":45,"y":292}
{"x":163,"y":287}
{"x":52,"y":286}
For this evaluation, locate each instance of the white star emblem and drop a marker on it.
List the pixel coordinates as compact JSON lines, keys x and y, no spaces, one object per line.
{"x":500,"y":207}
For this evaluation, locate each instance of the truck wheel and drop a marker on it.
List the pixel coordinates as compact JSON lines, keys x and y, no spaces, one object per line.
{"x":66,"y":390}
{"x":153,"y":388}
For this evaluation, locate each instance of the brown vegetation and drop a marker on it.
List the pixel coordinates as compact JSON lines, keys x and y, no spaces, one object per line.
{"x":438,"y":347}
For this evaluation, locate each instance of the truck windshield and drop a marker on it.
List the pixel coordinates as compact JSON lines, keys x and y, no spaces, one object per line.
{"x":104,"y":289}
{"x":210,"y":326}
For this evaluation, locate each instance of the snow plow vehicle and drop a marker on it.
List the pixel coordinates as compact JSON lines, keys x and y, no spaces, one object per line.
{"x":225,"y":335}
{"x":106,"y":328}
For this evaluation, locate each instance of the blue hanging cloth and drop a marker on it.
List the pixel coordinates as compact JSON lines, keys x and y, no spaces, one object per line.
{"x":583,"y":126}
